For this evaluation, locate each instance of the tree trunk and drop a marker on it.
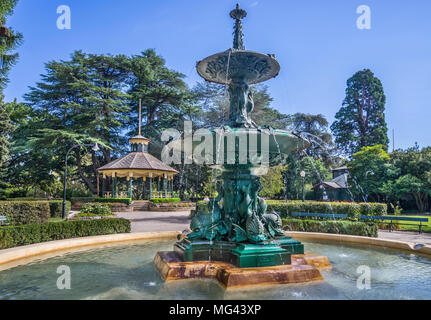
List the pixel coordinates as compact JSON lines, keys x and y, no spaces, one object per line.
{"x":92,"y":188}
{"x":421,"y":201}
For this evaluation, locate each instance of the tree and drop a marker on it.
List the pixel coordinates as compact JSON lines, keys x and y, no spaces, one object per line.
{"x":93,"y":98}
{"x":166,"y":99}
{"x":411,"y":185}
{"x":315,"y":172}
{"x":315,"y":128}
{"x":361,"y":120}
{"x":214,"y":100}
{"x":369,"y":169}
{"x":78,"y":101}
{"x":5,"y":130}
{"x":272,"y":182}
{"x":9,"y":40}
{"x":413,"y":176}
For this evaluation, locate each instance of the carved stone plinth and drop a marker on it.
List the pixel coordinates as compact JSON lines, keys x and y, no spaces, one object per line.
{"x":304,"y":268}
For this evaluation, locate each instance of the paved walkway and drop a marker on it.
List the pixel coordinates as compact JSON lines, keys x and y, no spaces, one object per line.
{"x":406,"y":236}
{"x":146,"y":221}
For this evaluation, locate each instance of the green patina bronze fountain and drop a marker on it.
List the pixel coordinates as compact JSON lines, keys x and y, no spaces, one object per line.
{"x":238,"y":229}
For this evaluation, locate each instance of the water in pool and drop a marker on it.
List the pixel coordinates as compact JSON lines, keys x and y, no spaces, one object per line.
{"x":127,"y":272}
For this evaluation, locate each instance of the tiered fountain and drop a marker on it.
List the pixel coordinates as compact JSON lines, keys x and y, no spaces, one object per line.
{"x":238,"y":242}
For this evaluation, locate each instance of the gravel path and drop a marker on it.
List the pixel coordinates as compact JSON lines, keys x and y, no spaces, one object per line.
{"x":146,"y":221}
{"x":406,"y":236}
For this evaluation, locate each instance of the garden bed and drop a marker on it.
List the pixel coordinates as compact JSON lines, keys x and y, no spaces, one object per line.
{"x":115,"y":207}
{"x":92,"y":218}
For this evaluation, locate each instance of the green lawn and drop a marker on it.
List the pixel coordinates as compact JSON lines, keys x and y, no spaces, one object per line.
{"x":56,"y":220}
{"x":426,"y":226}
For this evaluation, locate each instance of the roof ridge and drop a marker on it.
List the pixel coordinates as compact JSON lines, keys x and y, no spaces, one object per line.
{"x":138,"y":160}
{"x":134,"y":159}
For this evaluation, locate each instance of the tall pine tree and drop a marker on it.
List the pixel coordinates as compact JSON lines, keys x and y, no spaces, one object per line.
{"x":9,"y":40}
{"x":361,"y":120}
{"x":78,"y":101}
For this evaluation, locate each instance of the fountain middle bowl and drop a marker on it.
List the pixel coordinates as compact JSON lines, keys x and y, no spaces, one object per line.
{"x":258,"y":147}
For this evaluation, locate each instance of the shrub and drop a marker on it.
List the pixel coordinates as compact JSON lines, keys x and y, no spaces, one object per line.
{"x":336,"y":227}
{"x":15,"y":193}
{"x":97,"y":209}
{"x":127,"y":201}
{"x":75,"y":200}
{"x":115,"y":205}
{"x":25,"y":212}
{"x":15,"y":236}
{"x":166,"y":200}
{"x":353,"y":210}
{"x":56,"y":208}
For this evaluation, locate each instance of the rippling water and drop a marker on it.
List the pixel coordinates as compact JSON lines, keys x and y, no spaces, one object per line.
{"x":127,"y":272}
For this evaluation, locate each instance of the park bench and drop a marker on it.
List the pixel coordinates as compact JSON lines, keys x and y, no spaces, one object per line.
{"x":381,"y":219}
{"x":319,"y":215}
{"x":3,"y":221}
{"x":391,"y":220}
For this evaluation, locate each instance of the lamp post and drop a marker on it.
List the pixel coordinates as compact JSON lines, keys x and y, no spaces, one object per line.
{"x":366,"y":183}
{"x":95,"y":148}
{"x":303,"y":183}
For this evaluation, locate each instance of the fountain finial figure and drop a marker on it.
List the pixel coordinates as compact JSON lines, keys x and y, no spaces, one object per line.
{"x":238,"y":14}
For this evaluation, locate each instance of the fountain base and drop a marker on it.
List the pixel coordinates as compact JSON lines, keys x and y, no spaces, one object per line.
{"x":242,"y":255}
{"x":303,"y":268}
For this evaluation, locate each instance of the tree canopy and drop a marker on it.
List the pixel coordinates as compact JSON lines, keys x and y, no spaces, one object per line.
{"x":89,"y":99}
{"x":9,"y":41}
{"x":361,"y":119}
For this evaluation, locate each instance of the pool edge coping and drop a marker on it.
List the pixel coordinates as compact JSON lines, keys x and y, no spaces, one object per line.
{"x":14,"y":255}
{"x":394,"y":244}
{"x":39,"y":249}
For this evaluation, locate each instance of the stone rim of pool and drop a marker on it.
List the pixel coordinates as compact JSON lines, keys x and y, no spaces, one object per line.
{"x":114,"y":276}
{"x":10,"y":258}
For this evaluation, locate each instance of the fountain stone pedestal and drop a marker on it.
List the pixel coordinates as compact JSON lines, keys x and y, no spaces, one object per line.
{"x":303,"y":268}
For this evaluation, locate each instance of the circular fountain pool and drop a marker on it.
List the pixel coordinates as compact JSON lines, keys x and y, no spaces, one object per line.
{"x":127,"y":272}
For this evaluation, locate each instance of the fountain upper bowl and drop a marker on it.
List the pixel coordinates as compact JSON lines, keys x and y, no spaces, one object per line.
{"x":248,"y":66}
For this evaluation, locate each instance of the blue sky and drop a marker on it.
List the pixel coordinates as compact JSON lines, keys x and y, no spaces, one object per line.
{"x":316,"y":42}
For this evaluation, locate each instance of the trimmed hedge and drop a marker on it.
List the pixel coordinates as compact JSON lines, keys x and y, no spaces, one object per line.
{"x":28,"y":199}
{"x":165,"y":200}
{"x":16,"y":236}
{"x":336,"y":227}
{"x":127,"y":201}
{"x":56,"y":208}
{"x":353,"y":210}
{"x":25,"y":212}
